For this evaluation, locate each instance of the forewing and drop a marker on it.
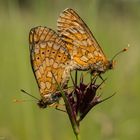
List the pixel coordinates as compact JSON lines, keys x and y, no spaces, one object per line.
{"x":81,"y":43}
{"x":49,"y":57}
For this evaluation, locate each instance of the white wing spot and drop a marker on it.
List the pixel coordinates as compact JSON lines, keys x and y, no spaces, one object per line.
{"x":89,"y":42}
{"x":83,"y":58}
{"x":49,"y":74}
{"x":51,"y":61}
{"x":42,"y":85}
{"x":81,"y":31}
{"x":43,"y":45}
{"x":55,"y":65}
{"x":47,"y":62}
{"x":38,"y":75}
{"x":48,"y":85}
{"x":84,"y":42}
{"x":50,"y":43}
{"x":95,"y":53}
{"x":56,"y":47}
{"x":41,"y":70}
{"x":90,"y":55}
{"x":36,"y":50}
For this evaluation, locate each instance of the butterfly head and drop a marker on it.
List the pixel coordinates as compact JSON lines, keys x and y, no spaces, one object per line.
{"x":110,"y":64}
{"x":42,"y":104}
{"x":49,"y":99}
{"x":107,"y":65}
{"x":103,"y":66}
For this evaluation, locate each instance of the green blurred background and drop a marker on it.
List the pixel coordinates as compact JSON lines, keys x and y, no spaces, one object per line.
{"x":115,"y":24}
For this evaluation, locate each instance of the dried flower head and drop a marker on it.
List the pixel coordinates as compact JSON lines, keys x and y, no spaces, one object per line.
{"x":82,"y":99}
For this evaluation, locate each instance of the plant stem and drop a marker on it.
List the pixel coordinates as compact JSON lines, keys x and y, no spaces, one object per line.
{"x":77,"y":136}
{"x":72,"y":117}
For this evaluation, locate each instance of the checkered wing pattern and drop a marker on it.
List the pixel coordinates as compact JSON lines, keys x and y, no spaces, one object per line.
{"x":83,"y":47}
{"x":49,"y":59}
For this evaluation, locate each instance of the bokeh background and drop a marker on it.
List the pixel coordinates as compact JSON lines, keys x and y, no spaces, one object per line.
{"x":115,"y":24}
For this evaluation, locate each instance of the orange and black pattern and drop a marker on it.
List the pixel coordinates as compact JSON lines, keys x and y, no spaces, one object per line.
{"x":54,"y":55}
{"x":82,"y":45}
{"x":49,"y":58}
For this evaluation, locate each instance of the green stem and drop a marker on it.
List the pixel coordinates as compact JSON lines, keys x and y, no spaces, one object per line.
{"x":77,"y":137}
{"x":74,"y":122}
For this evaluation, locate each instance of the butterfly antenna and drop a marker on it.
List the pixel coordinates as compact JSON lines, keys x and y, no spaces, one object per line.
{"x":123,"y":50}
{"x":21,"y":100}
{"x":29,"y":94}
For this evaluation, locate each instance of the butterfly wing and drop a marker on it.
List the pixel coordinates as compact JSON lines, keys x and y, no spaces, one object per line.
{"x":82,"y":45}
{"x":49,"y":59}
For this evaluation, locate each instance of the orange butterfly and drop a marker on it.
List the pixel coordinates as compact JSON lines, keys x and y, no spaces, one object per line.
{"x":51,"y":63}
{"x":82,"y":45}
{"x":54,"y":55}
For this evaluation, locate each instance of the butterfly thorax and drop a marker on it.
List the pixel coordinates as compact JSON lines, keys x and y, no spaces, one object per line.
{"x":101,"y":67}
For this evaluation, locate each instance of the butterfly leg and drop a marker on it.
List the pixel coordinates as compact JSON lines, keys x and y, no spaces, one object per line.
{"x":60,"y":109}
{"x":57,"y":107}
{"x":101,"y":77}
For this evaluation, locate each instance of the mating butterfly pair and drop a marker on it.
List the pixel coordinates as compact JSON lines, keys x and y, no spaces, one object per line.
{"x":54,"y":55}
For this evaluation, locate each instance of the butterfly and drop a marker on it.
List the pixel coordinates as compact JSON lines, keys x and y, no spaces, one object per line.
{"x":84,"y":49}
{"x":51,"y":63}
{"x":54,"y":54}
